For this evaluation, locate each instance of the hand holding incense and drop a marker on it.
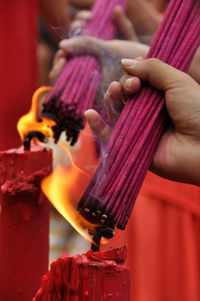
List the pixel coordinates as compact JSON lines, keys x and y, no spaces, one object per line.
{"x":118,"y":179}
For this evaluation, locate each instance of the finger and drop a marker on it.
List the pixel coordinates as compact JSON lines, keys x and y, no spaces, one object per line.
{"x":130,"y":84}
{"x":77,"y":24}
{"x":84,"y":45}
{"x":157,"y":73}
{"x":57,"y":69}
{"x":59,"y":54}
{"x":84,"y":15}
{"x":113,"y":101}
{"x":124,"y":25}
{"x":80,"y":21}
{"x":98,"y":125}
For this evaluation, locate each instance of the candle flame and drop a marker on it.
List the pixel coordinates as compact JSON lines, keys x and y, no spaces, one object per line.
{"x":63,"y":185}
{"x":29,"y":122}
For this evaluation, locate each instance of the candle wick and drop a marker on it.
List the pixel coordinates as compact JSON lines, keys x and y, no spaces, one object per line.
{"x":101,"y":232}
{"x":34,"y":134}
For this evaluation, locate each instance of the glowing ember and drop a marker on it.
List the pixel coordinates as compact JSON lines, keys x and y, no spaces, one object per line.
{"x":29,"y":122}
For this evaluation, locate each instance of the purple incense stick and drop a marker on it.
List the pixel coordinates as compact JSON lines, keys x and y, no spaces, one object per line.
{"x":76,"y":88}
{"x":128,"y":155}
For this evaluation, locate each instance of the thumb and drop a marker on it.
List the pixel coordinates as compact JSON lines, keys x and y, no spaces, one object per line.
{"x":83,"y":45}
{"x":158,"y":74}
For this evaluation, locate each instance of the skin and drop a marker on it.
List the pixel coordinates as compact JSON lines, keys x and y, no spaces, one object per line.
{"x":144,"y":15}
{"x":145,"y":19}
{"x":123,"y":24}
{"x":160,"y":5}
{"x":108,"y":52}
{"x":178,"y":154}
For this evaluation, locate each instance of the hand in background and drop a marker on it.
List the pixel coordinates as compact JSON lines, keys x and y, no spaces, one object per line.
{"x":124,"y":26}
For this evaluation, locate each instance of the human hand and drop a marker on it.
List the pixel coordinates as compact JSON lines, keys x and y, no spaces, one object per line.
{"x":178,"y":152}
{"x":108,"y":53}
{"x":142,"y":21}
{"x":126,"y":30}
{"x":124,"y":26}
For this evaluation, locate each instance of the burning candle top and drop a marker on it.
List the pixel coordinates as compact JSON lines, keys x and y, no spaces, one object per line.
{"x":57,"y":185}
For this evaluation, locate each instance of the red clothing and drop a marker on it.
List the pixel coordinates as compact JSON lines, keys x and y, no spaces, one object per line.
{"x":18,"y":40}
{"x":163,"y":237}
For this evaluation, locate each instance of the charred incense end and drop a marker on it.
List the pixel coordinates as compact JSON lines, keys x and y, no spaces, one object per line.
{"x":34,"y":134}
{"x":101,"y":232}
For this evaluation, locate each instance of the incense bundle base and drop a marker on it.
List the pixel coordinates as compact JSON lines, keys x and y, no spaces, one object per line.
{"x":91,"y":276}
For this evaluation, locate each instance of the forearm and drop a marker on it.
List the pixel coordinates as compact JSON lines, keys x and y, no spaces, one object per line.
{"x":55,"y":14}
{"x":144,"y":17}
{"x":127,"y":49}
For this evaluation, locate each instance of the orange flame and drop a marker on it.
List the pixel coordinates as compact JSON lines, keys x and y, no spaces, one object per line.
{"x":29,"y":122}
{"x":57,"y":188}
{"x":64,"y":184}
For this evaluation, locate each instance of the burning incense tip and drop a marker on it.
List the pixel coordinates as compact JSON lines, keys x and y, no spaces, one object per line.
{"x":34,"y":134}
{"x":101,"y":232}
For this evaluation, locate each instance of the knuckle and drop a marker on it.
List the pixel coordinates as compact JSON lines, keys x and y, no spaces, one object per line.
{"x":124,"y":79}
{"x":153,"y":61}
{"x":129,"y":25}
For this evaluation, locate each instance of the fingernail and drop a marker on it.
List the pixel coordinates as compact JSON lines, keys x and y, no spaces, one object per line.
{"x":118,"y":7}
{"x":128,"y":83}
{"x":129,"y":62}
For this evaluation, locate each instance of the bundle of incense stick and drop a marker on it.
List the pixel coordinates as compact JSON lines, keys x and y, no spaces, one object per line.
{"x":112,"y":192}
{"x":76,"y":88}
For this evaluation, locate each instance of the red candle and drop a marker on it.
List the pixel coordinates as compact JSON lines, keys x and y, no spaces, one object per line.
{"x":91,"y":276}
{"x":24,"y":222}
{"x":18,"y":74}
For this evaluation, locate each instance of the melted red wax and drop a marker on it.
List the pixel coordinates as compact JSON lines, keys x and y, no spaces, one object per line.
{"x":21,"y":172}
{"x":23,"y":183}
{"x":91,"y":276}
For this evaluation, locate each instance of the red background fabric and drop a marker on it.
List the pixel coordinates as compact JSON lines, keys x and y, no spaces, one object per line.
{"x":164,"y":242}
